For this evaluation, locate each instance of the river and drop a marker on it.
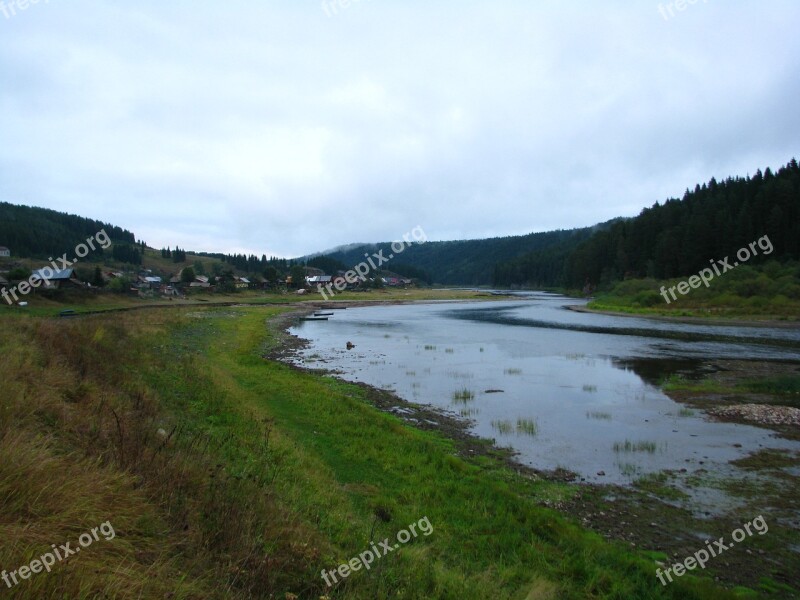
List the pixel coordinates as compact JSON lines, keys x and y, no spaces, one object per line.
{"x":562,"y":388}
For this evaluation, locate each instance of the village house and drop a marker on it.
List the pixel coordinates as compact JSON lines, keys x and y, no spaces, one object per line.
{"x":200,"y":282}
{"x":109,"y":276}
{"x":315,"y":280}
{"x":4,"y":252}
{"x":241,"y":283}
{"x":150,"y":281}
{"x":56,"y":280}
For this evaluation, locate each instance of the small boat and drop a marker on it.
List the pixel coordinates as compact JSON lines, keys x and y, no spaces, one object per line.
{"x":313,"y":318}
{"x":321,"y":314}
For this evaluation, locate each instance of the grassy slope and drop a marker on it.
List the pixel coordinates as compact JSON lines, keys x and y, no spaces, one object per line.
{"x":268,"y":476}
{"x":767,"y":291}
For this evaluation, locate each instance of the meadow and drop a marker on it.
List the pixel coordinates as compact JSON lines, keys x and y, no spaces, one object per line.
{"x":229,"y":475}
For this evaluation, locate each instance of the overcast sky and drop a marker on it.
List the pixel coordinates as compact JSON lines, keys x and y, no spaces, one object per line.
{"x":288,"y":127}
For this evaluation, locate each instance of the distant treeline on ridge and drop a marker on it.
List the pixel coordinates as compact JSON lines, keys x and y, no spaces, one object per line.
{"x":40,"y":232}
{"x":676,"y":238}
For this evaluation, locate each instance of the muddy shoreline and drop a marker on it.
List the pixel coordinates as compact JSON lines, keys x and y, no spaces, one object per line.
{"x":641,"y":517}
{"x":421,"y":416}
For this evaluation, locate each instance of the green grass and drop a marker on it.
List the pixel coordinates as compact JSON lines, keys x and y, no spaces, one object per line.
{"x":770,"y":290}
{"x":785,"y":390}
{"x":274,"y":474}
{"x":527,"y":426}
{"x":641,"y":446}
{"x":783,"y":386}
{"x":679,"y":383}
{"x":463,"y":396}
{"x":523,"y":427}
{"x":503,"y":427}
{"x":658,"y":484}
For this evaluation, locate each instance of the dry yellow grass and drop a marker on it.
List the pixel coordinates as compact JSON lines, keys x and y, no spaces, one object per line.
{"x":84,"y":441}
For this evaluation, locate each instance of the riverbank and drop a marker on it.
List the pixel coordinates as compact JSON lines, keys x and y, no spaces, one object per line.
{"x":769,"y":291}
{"x":228,"y":475}
{"x":656,"y":513}
{"x":704,"y":318}
{"x":91,"y":304}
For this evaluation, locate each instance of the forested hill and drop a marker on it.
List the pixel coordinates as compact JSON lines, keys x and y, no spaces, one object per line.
{"x":40,"y":232}
{"x":467,"y":262}
{"x":676,"y":238}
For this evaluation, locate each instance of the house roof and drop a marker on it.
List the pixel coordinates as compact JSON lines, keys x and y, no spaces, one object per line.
{"x":4,"y":249}
{"x":153,"y":279}
{"x":56,"y":274}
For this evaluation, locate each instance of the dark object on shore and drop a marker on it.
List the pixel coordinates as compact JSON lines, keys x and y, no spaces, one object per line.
{"x":67,"y":313}
{"x":313,"y":318}
{"x":350,"y":345}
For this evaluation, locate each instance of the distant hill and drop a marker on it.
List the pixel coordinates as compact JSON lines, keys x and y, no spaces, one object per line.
{"x":467,"y":262}
{"x":33,"y":232}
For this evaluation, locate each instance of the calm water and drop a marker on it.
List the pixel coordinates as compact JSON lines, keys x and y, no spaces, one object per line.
{"x":586,"y":381}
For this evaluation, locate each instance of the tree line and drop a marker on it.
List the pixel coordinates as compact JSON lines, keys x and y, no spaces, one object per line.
{"x":35,"y":232}
{"x":676,"y":238}
{"x":462,"y":262}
